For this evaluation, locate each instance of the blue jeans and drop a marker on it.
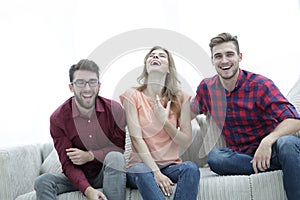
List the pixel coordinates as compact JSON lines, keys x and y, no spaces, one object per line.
{"x":112,"y":178}
{"x":285,"y":156}
{"x":186,"y":175}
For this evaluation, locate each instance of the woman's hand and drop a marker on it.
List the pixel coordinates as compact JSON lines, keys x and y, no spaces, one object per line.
{"x":160,"y":112}
{"x":164,"y":183}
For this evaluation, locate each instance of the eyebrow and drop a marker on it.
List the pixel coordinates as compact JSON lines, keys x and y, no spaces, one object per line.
{"x":227,"y":52}
{"x":81,"y":79}
{"x":159,"y":53}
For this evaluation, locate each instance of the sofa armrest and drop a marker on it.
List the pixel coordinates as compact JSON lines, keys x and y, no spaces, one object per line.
{"x":19,"y":167}
{"x":206,"y":135}
{"x":192,"y":152}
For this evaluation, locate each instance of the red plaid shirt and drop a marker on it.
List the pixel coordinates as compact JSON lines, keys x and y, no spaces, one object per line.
{"x":248,"y":113}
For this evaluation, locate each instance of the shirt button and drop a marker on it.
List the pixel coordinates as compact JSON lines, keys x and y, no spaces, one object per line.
{"x":90,"y":136}
{"x":89,"y":121}
{"x":228,"y":109}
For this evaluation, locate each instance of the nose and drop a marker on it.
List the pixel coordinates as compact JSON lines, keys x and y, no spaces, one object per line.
{"x":224,"y":59}
{"x":87,"y":86}
{"x":155,"y":56}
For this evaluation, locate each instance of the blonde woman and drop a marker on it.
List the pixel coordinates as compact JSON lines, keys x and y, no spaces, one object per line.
{"x":159,"y":123}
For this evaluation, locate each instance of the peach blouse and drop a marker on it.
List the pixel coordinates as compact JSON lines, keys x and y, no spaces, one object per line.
{"x":163,"y":149}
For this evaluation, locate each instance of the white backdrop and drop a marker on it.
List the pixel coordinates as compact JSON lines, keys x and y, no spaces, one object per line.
{"x":39,"y":40}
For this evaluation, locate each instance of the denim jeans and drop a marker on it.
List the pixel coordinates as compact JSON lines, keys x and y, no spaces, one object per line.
{"x":285,"y":156}
{"x":112,"y":178}
{"x":186,"y":175}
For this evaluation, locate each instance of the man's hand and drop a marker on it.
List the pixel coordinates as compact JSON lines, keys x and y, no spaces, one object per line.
{"x":262,"y":156}
{"x":93,"y":194}
{"x":79,"y":157}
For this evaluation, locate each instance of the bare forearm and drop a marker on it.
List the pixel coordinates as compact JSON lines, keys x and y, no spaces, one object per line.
{"x":286,"y":127}
{"x":179,"y":137}
{"x":144,"y":154}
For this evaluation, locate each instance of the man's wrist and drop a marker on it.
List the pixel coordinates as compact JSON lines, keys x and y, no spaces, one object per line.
{"x":91,"y":156}
{"x":88,"y":190}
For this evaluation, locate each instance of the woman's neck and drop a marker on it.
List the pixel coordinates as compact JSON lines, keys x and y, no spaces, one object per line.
{"x":155,"y":85}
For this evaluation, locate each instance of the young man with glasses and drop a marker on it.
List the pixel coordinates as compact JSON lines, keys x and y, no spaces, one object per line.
{"x":89,"y":136}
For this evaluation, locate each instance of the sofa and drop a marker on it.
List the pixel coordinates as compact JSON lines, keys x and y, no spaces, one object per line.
{"x":20,"y":165}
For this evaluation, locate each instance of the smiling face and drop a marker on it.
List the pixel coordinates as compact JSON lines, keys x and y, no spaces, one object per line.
{"x":157,"y":61}
{"x":226,"y":60}
{"x":85,"y":97}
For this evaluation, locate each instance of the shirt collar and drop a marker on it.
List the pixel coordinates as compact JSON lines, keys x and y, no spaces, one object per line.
{"x":241,"y":78}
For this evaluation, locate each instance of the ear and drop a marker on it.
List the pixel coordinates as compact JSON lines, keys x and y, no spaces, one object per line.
{"x":240,"y":57}
{"x":71,"y":87}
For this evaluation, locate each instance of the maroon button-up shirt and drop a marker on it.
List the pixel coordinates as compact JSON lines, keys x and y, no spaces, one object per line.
{"x":102,"y":133}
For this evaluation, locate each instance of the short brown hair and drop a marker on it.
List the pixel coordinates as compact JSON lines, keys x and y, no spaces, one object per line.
{"x":83,"y":64}
{"x":224,"y":37}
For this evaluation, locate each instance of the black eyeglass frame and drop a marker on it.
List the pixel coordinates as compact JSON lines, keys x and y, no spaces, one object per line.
{"x":80,"y":83}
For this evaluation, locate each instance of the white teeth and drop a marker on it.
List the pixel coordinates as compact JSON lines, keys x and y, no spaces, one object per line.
{"x":155,"y":62}
{"x":225,"y":67}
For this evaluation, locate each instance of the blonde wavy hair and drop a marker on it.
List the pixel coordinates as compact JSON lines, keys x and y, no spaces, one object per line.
{"x":171,"y":89}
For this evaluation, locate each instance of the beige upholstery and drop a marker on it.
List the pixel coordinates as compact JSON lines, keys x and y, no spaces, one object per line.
{"x":21,"y":165}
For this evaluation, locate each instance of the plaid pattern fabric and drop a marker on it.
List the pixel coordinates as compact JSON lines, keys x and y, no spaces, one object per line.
{"x":248,"y":113}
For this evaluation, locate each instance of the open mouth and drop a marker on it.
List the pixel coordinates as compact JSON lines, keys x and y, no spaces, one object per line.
{"x":87,"y":96}
{"x":155,"y":62}
{"x":225,"y":67}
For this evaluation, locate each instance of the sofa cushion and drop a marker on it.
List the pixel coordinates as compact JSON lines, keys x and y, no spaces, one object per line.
{"x":51,"y":163}
{"x":206,"y":135}
{"x":27,"y":196}
{"x":46,"y":149}
{"x":19,"y":166}
{"x":75,"y":195}
{"x":294,"y":97}
{"x":211,"y":137}
{"x":213,"y":186}
{"x":267,"y":185}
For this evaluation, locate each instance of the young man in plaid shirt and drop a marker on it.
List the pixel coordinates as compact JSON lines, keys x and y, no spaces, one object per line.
{"x":256,"y":120}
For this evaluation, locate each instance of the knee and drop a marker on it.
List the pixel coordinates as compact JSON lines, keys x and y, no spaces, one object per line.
{"x":114,"y":156}
{"x":139,"y":168}
{"x":213,"y":157}
{"x":115,"y":160}
{"x":288,"y":144}
{"x":191,"y":168}
{"x":42,"y":181}
{"x":218,"y":156}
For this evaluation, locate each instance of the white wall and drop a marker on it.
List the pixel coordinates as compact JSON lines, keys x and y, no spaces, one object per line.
{"x":39,"y":40}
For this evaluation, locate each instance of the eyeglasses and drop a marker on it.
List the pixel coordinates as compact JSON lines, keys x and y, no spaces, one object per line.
{"x":82,"y":83}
